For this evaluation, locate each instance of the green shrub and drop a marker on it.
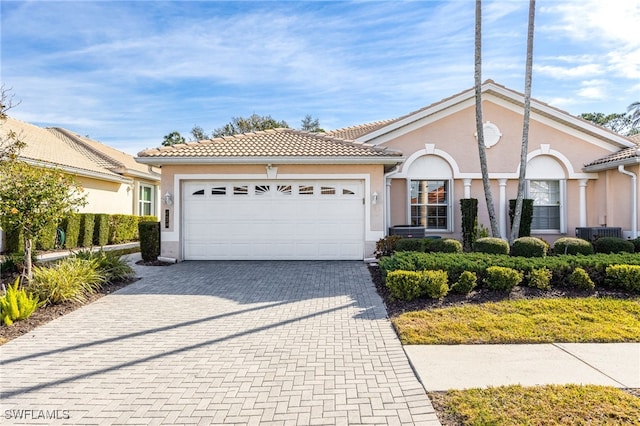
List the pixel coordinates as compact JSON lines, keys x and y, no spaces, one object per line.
{"x":12,"y":263}
{"x":47,"y":239}
{"x":540,"y":278}
{"x":123,"y":228}
{"x":71,"y":227}
{"x":16,"y":304}
{"x":624,"y":276}
{"x":469,"y":208}
{"x":87,"y":221}
{"x":636,"y":244}
{"x":445,"y":245}
{"x":101,"y":230}
{"x":70,"y":279}
{"x":613,"y":245}
{"x":149,"y":240}
{"x":386,"y":246}
{"x":491,"y":245}
{"x":433,"y":284}
{"x":108,"y":264}
{"x":502,"y":278}
{"x":14,"y":240}
{"x":404,"y":285}
{"x":410,"y":244}
{"x":572,"y":245}
{"x":467,"y":282}
{"x":580,"y":278}
{"x":526,"y":216}
{"x":529,"y":247}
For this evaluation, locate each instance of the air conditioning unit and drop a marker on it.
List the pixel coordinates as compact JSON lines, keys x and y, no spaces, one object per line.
{"x":593,"y":233}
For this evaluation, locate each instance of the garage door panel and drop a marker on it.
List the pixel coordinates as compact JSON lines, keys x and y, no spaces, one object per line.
{"x":273,"y":220}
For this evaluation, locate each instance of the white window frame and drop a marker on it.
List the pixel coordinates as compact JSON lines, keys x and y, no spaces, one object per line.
{"x":562,"y":187}
{"x":449,"y":198}
{"x":142,"y":202}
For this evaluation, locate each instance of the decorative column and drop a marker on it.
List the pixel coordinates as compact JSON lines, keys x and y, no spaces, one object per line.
{"x":583,"y":202}
{"x":503,"y":208}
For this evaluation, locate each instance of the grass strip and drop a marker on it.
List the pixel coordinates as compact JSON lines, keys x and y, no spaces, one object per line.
{"x":539,"y":405}
{"x":580,"y":320}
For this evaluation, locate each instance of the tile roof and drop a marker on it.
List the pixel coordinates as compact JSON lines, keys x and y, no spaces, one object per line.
{"x":626,"y":155}
{"x":354,"y":132}
{"x":271,"y":143}
{"x":65,"y":149}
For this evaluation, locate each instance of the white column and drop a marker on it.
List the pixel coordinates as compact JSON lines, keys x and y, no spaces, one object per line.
{"x":467,"y":188}
{"x":408,"y":201}
{"x":503,"y":209}
{"x":583,"y":202}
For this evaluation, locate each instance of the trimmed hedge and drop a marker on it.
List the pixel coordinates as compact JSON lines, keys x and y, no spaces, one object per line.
{"x":101,"y":230}
{"x":572,"y":245}
{"x":502,"y":278}
{"x":71,"y":227}
{"x":123,"y":228}
{"x":409,"y":285}
{"x":561,"y":267}
{"x":410,"y":244}
{"x":529,"y":247}
{"x":149,"y":240}
{"x":624,"y":276}
{"x":47,"y":240}
{"x":613,"y":245}
{"x":87,"y":221}
{"x":491,"y":245}
{"x":444,"y":245}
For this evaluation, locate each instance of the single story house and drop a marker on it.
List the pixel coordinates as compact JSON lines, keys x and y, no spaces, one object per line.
{"x":112,"y":180}
{"x":288,"y":194}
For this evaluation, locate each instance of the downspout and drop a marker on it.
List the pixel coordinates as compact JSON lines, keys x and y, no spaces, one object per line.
{"x":387,"y":198}
{"x":634,"y":200}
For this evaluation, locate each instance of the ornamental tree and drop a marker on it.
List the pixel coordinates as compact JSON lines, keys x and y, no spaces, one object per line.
{"x":32,"y":198}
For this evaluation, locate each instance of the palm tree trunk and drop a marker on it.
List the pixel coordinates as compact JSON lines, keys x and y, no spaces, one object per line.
{"x":495,"y":230}
{"x":515,"y":227}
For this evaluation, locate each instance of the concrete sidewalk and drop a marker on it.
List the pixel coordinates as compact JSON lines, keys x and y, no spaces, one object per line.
{"x":444,"y":367}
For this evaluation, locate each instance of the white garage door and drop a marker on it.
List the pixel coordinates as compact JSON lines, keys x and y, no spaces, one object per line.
{"x":273,"y":220}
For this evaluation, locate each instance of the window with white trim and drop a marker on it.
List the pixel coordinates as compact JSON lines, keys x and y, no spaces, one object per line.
{"x":146,"y":200}
{"x":547,"y":204}
{"x":429,"y":204}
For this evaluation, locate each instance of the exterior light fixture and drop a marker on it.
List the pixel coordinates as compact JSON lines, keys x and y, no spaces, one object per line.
{"x":374,"y":198}
{"x":167,"y":198}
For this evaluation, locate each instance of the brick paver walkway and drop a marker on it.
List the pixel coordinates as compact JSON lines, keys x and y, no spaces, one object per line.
{"x":264,"y":343}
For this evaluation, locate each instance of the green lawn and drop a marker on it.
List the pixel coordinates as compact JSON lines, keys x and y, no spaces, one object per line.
{"x":539,"y":405}
{"x":578,"y":320}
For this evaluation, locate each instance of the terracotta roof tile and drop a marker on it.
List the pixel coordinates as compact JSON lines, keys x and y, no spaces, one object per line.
{"x":624,"y":154}
{"x":271,"y":143}
{"x":354,"y":132}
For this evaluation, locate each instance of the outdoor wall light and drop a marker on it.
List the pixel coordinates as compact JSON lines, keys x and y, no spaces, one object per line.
{"x":374,"y":198}
{"x":168,"y":199}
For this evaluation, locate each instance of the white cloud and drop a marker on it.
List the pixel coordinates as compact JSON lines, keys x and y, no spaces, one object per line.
{"x":580,"y":71}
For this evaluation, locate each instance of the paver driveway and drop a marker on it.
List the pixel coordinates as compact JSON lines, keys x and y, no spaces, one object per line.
{"x":217,"y":343}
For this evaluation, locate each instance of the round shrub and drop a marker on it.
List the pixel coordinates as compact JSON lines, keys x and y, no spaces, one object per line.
{"x":445,"y":245}
{"x":613,"y":245}
{"x":491,"y":245}
{"x":410,"y":244}
{"x":572,"y":245}
{"x":502,"y":278}
{"x":529,"y":247}
{"x":624,"y":276}
{"x":434,"y":284}
{"x":465,"y":283}
{"x":540,"y":278}
{"x":580,"y":278}
{"x":404,"y":285}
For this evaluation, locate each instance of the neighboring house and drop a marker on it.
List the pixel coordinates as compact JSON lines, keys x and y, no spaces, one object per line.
{"x":112,"y":180}
{"x":286,"y":194}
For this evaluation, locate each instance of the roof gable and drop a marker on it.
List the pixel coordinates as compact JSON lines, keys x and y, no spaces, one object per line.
{"x":450,"y":105}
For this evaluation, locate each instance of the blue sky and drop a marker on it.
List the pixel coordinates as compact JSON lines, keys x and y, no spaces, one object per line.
{"x":129,"y":72}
